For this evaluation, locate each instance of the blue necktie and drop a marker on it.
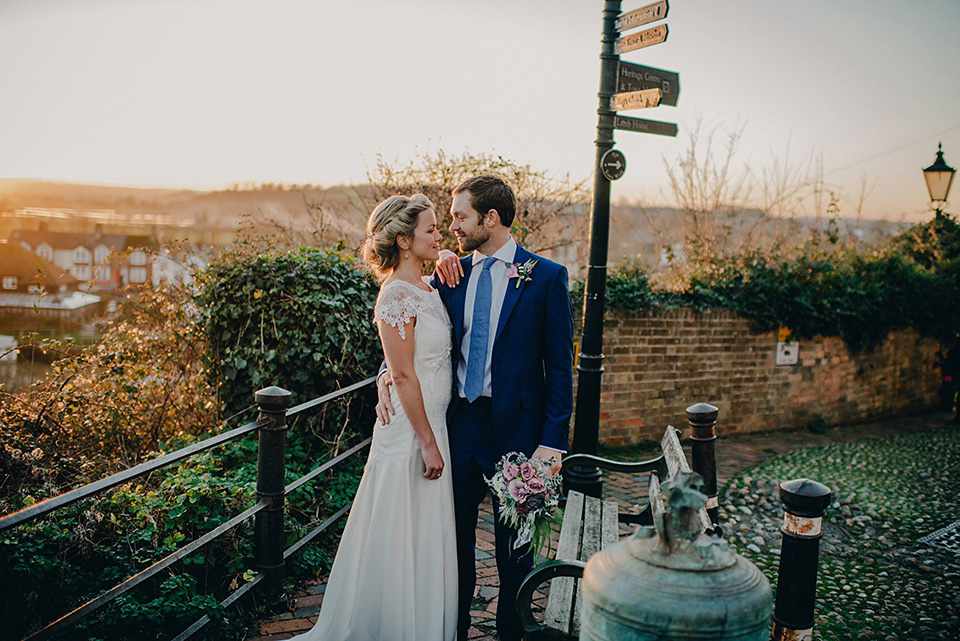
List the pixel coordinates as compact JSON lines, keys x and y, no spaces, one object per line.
{"x":479,"y":334}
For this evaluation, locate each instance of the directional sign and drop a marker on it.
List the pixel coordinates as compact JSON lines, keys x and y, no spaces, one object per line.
{"x":649,"y":13}
{"x":635,"y":99}
{"x":645,"y":126}
{"x":641,"y":39}
{"x":613,"y":164}
{"x":631,"y":77}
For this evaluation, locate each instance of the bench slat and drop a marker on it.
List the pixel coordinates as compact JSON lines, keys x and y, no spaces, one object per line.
{"x":610,"y":530}
{"x":560,"y":598}
{"x":588,"y":547}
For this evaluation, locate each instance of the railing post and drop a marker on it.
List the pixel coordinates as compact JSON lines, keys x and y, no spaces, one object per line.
{"x":702,"y":418}
{"x":271,"y":466}
{"x":804,"y":502}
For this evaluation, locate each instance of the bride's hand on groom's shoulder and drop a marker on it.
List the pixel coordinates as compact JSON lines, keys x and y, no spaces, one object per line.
{"x":449,"y":269}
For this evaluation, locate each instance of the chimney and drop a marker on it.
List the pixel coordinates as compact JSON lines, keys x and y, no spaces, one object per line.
{"x":43,"y":226}
{"x":98,"y":231}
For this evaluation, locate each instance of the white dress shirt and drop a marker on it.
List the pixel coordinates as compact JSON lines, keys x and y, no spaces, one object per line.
{"x":499,"y":280}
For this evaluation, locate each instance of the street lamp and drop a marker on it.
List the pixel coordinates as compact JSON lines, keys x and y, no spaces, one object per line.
{"x":939,"y":177}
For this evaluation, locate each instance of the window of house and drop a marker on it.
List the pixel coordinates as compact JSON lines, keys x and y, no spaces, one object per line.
{"x":138,"y":258}
{"x":81,"y":272}
{"x":104,"y":273}
{"x":101,"y":253}
{"x":9,"y":282}
{"x":45,"y":252}
{"x":138,"y":274}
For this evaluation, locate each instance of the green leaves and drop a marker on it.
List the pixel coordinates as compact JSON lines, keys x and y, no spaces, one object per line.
{"x":857,"y":294}
{"x":299,"y":319}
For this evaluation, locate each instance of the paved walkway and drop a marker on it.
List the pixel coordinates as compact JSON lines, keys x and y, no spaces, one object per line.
{"x":734,"y":453}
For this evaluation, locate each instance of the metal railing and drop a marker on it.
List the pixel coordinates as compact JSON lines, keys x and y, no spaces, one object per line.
{"x":268,"y":511}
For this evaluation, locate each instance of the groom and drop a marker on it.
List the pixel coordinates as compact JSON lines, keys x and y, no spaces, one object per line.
{"x":513,"y":360}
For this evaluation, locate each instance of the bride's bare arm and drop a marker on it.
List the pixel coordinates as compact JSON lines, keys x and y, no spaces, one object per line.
{"x":399,"y":356}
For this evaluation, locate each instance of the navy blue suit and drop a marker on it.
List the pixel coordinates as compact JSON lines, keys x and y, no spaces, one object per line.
{"x":531,"y":405}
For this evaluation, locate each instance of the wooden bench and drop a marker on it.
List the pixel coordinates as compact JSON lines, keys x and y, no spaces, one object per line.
{"x":590,"y":525}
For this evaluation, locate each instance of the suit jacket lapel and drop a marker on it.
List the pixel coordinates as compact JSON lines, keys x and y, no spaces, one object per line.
{"x":458,"y":297}
{"x":513,"y":292}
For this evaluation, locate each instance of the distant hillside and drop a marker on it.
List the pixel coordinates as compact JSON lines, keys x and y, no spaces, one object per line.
{"x":221,"y":210}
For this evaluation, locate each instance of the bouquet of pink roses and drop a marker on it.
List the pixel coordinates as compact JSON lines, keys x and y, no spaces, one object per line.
{"x":529,"y":498}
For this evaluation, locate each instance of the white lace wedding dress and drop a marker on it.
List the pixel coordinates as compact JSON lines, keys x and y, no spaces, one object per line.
{"x":395,"y":574}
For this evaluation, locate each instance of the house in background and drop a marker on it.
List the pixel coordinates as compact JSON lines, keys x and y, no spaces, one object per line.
{"x":31,"y":285}
{"x":99,"y":261}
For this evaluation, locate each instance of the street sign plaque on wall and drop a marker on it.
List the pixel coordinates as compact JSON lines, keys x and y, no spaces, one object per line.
{"x":641,"y":39}
{"x":642,"y":99}
{"x":643,"y":15}
{"x":631,"y":77}
{"x":645,"y":126}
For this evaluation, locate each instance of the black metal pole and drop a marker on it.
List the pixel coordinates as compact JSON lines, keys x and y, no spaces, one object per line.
{"x":588,"y":479}
{"x":702,"y":418}
{"x":804,"y":502}
{"x":271,"y":466}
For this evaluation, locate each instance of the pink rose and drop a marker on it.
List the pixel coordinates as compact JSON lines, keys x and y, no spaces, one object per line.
{"x":512,"y":271}
{"x":510,"y":471}
{"x":518,"y":490}
{"x":527,"y":470}
{"x":536,"y":486}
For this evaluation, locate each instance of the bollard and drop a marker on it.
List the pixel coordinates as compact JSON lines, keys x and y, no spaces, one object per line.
{"x":804,"y":502}
{"x":271,"y":467}
{"x":702,"y":418}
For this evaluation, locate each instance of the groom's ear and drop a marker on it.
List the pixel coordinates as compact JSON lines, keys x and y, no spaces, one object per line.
{"x":492,"y":218}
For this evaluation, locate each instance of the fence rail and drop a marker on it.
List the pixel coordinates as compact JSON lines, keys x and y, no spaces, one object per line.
{"x":268,"y":511}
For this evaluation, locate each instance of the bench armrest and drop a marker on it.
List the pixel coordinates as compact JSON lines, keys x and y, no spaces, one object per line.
{"x":630,"y":467}
{"x":643,"y":517}
{"x":537,"y":576}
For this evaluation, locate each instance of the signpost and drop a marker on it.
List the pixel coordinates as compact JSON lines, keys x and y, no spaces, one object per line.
{"x":645,"y":126}
{"x":642,"y":39}
{"x":637,"y":17}
{"x":631,"y":77}
{"x":642,"y":99}
{"x":622,"y":86}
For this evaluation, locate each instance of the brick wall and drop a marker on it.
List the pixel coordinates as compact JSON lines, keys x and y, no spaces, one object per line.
{"x":658,"y":364}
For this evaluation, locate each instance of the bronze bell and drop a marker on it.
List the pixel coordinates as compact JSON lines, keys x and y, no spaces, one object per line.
{"x":672,"y":582}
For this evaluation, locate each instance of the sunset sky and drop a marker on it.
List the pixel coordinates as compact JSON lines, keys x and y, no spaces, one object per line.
{"x":205,"y":93}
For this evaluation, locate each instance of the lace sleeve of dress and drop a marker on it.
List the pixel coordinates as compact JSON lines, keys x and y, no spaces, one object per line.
{"x":396,"y":305}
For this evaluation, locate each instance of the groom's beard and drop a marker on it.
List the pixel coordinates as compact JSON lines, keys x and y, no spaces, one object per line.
{"x":469,"y":242}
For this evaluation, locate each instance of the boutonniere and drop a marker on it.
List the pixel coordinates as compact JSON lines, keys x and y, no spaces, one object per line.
{"x":521,"y":271}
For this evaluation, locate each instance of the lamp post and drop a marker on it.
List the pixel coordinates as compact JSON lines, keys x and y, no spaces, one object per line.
{"x":939,"y":178}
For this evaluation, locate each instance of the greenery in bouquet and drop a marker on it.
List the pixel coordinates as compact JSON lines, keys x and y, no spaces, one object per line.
{"x":529,"y":499}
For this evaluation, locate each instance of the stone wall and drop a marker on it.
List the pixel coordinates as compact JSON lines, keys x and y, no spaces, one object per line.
{"x":658,"y":364}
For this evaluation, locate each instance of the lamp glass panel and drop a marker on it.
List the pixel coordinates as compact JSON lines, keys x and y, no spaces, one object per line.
{"x":938,"y":183}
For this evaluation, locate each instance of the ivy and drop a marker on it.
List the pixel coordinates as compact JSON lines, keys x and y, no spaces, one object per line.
{"x":829,"y":290}
{"x":300,"y":319}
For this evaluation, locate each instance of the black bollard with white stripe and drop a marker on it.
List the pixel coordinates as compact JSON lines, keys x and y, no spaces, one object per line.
{"x":804,"y":502}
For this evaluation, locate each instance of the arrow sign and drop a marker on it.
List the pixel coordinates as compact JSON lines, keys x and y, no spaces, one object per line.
{"x":641,"y":39}
{"x":613,"y":164}
{"x":645,"y":126}
{"x":635,"y":99}
{"x":649,"y":13}
{"x":631,"y":77}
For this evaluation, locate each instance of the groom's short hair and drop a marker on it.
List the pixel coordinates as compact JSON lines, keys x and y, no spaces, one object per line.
{"x":490,"y":192}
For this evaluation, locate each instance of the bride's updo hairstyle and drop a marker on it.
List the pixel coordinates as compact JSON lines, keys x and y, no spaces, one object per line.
{"x":394,"y":217}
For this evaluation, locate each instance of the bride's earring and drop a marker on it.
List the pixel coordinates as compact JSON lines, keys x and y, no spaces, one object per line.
{"x":406,"y":255}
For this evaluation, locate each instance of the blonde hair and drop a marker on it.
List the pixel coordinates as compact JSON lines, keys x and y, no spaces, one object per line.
{"x":394,"y":217}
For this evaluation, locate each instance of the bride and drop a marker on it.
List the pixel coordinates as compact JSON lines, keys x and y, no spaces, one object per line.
{"x":395,"y":574}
